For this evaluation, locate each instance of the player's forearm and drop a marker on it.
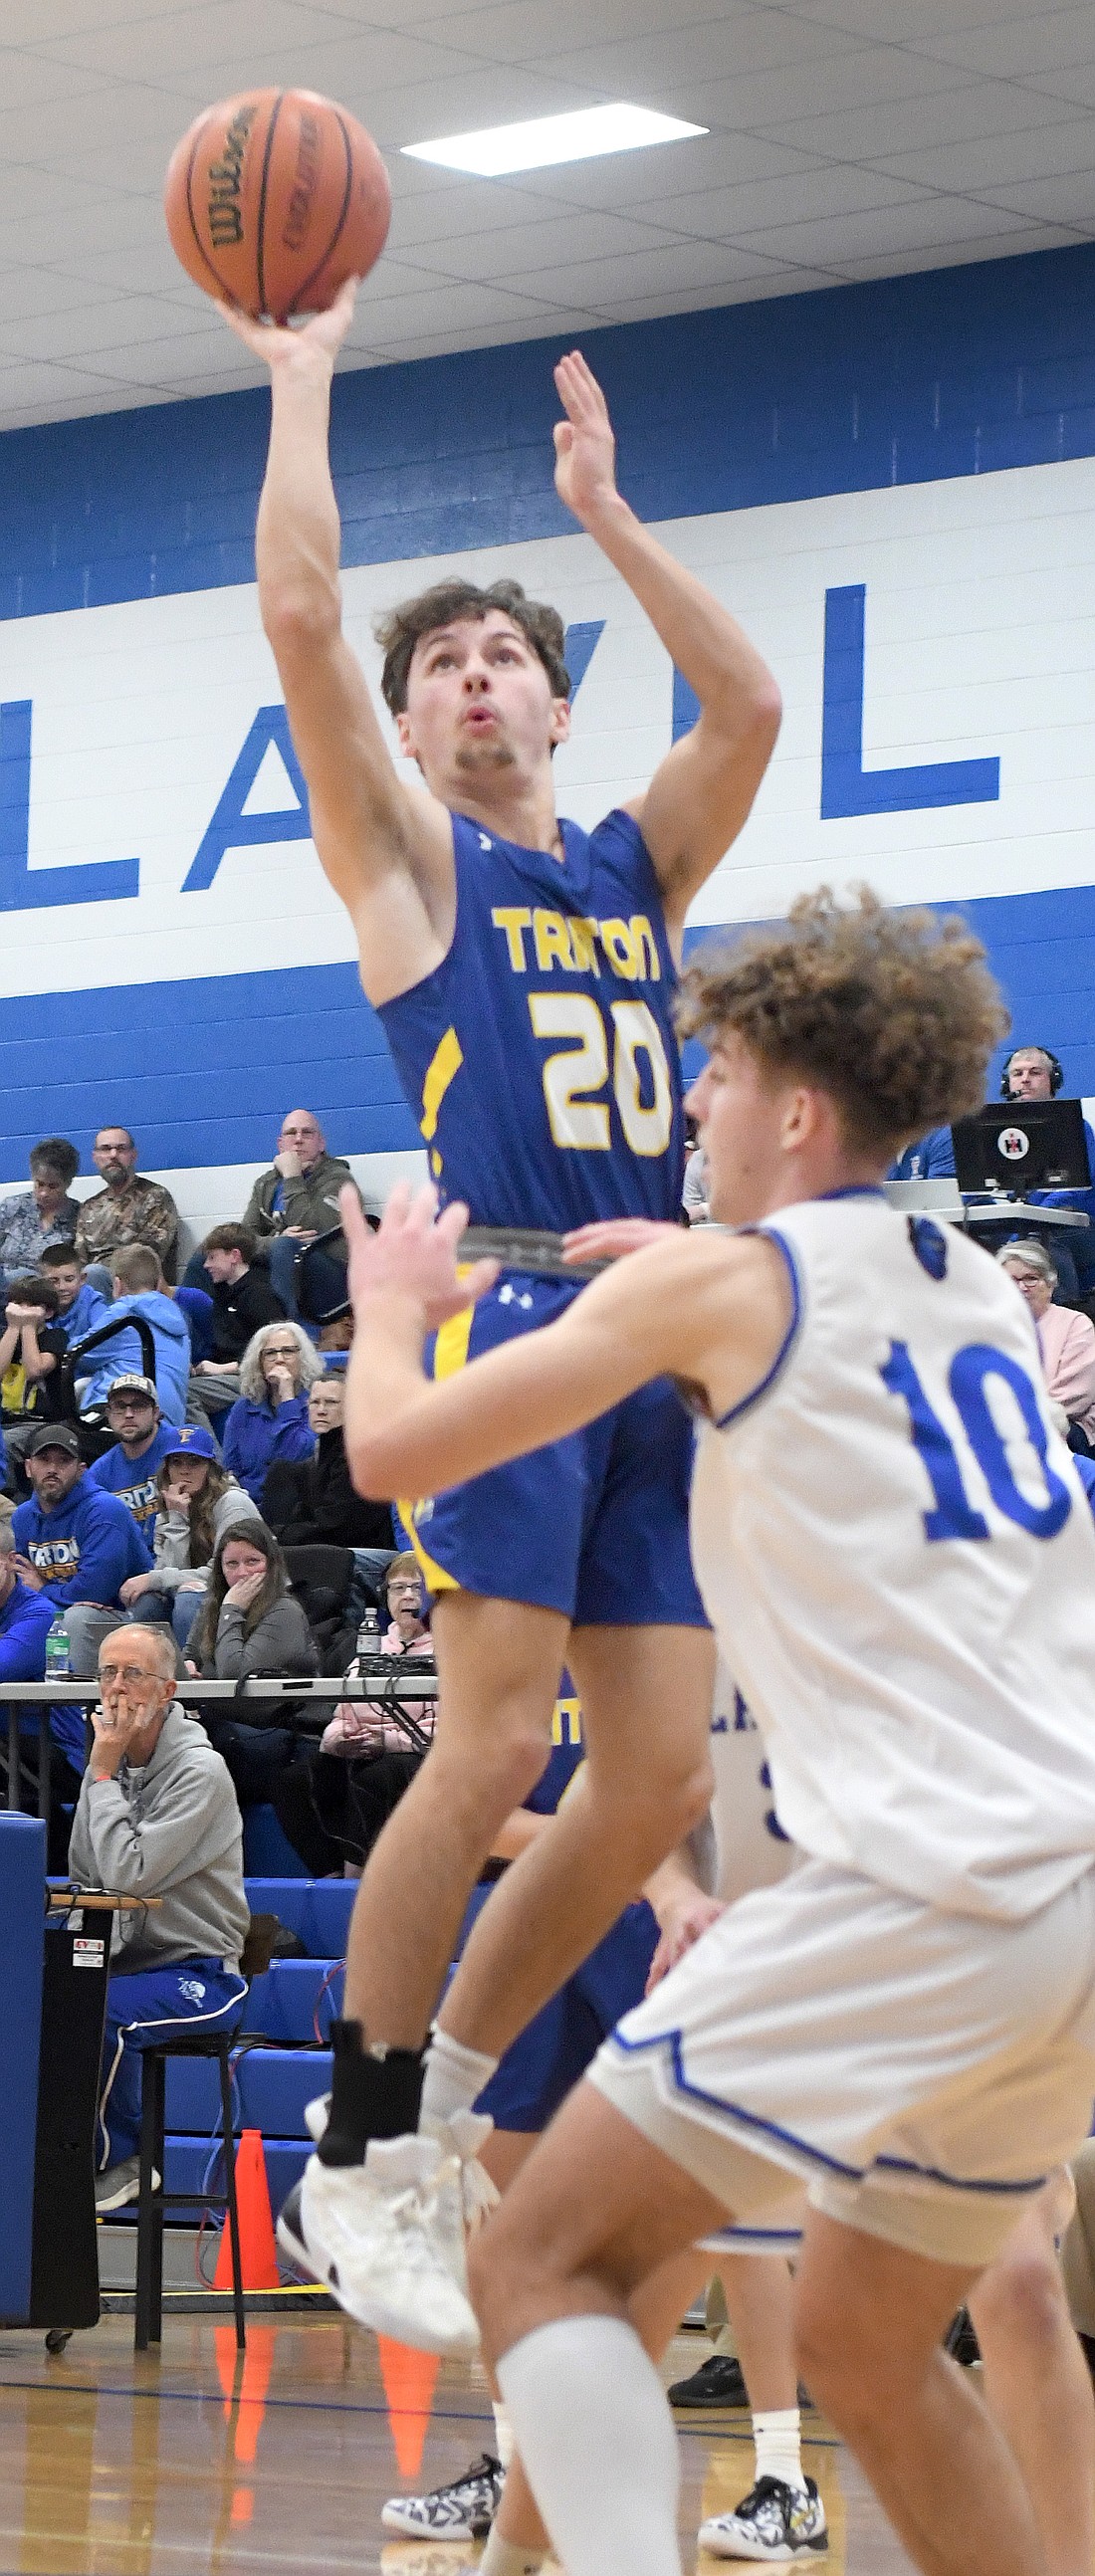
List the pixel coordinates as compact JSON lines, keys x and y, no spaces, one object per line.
{"x":297,"y":536}
{"x":707,"y":645}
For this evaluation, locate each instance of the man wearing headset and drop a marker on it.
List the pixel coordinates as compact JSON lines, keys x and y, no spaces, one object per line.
{"x":1030,"y":1073}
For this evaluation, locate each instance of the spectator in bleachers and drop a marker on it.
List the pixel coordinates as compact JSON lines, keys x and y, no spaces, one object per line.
{"x":334,"y":1342}
{"x":244,"y":1299}
{"x":1066,"y":1339}
{"x":311,"y":1502}
{"x":128,"y":1208}
{"x":931,"y":1158}
{"x":135,"y":1271}
{"x":142,"y":1440}
{"x":157,"y":1816}
{"x":25,"y":1620}
{"x":296,"y":1200}
{"x":251,"y":1624}
{"x":197,"y":1502}
{"x":196,"y":1308}
{"x":43,"y":1214}
{"x":80,"y":1305}
{"x":270,"y":1416}
{"x":32,"y":1344}
{"x":74,"y":1544}
{"x":332,"y":1807}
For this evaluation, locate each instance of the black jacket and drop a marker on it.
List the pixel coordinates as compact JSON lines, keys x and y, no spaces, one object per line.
{"x":311,"y":1502}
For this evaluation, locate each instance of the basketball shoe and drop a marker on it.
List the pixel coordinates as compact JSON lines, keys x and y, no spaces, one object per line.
{"x":464,"y":2510}
{"x":387,"y":2236}
{"x":772,"y":2521}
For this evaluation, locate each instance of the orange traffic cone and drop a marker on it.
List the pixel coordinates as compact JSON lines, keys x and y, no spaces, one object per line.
{"x":409,"y":2377}
{"x":258,"y":2252}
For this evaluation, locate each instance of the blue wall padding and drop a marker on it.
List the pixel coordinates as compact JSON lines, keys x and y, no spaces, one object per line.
{"x":22,"y":1932}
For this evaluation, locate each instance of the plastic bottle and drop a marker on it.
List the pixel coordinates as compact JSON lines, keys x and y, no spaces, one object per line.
{"x":58,"y":1665}
{"x":368,"y":1635}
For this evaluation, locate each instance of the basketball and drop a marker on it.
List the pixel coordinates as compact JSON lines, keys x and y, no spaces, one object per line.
{"x":274,"y":198}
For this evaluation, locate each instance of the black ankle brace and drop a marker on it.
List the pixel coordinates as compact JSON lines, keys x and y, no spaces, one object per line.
{"x":372,"y":2096}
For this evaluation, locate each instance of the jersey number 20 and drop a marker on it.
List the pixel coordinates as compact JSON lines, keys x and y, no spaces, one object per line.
{"x":954,"y":1515}
{"x":577,"y":1120}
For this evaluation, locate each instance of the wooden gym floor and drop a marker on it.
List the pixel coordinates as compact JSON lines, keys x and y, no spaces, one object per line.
{"x":112,"y":2465}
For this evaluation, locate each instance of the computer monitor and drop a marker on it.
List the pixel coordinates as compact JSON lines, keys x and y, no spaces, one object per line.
{"x":1022,"y":1145}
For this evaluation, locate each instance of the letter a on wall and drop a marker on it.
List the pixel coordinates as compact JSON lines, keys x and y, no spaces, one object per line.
{"x":230,"y":828}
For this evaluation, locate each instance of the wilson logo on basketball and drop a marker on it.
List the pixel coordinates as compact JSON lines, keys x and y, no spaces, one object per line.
{"x":309,"y":153}
{"x":225,"y":219}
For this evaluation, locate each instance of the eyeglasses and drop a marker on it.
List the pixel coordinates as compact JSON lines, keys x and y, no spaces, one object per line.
{"x":129,"y":1403}
{"x":133,"y":1675}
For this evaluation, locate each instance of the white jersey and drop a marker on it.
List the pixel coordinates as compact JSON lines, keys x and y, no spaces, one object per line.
{"x":898,"y":1559}
{"x":751,"y":1848}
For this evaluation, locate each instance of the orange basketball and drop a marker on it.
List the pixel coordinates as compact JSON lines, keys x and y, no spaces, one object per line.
{"x":274,"y":198}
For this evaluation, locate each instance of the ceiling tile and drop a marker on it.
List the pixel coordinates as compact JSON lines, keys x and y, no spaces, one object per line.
{"x":962,"y":115}
{"x":1029,"y":48}
{"x":559,"y":242}
{"x":902,"y":264}
{"x":1000,"y":158}
{"x":930,"y":223}
{"x":821,"y":189}
{"x":712,"y":265}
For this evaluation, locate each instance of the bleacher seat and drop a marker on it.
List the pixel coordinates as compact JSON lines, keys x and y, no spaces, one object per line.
{"x":318,"y":1910}
{"x":272,"y":2084}
{"x":266,"y":1850}
{"x":284,"y":2003}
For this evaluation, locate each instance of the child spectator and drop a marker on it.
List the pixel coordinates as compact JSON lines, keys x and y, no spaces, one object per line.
{"x":135,"y":1269}
{"x":80,"y":1306}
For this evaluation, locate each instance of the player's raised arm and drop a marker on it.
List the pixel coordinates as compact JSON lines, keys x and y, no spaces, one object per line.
{"x":702,"y":792}
{"x":386,"y":847}
{"x":711,"y":1311}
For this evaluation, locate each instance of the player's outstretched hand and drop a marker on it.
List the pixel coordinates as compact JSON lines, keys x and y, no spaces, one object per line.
{"x":585,"y":449}
{"x":413,"y":1251}
{"x":609,"y":1236}
{"x":278,"y":346}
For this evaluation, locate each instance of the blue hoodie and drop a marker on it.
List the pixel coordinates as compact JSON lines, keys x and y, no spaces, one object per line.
{"x":254,"y":1435}
{"x":88,"y":1308}
{"x":85,"y":1549}
{"x":122,"y":1357}
{"x":25,"y":1618}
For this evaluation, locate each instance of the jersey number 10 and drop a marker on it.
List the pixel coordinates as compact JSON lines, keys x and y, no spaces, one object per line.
{"x":954,"y":1515}
{"x":579,"y":1122}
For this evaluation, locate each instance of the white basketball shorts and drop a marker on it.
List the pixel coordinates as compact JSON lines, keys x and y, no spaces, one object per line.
{"x":923,"y":2071}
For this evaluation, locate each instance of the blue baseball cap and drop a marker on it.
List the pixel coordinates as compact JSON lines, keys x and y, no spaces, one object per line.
{"x":191,"y":1440}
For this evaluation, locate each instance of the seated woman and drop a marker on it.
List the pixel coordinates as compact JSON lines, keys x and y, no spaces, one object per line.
{"x":249,"y":1624}
{"x":333,"y":1808}
{"x":1066,"y":1339}
{"x":199,"y":1502}
{"x":270,"y":1418}
{"x":310,"y":1502}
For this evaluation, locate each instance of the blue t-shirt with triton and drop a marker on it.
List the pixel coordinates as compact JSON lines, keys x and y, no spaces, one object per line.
{"x":540,"y":1057}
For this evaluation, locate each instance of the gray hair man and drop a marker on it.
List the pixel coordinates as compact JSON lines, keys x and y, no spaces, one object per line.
{"x":156,"y":1819}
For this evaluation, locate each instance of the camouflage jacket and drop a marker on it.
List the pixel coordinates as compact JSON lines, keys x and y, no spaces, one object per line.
{"x":143,"y":1212}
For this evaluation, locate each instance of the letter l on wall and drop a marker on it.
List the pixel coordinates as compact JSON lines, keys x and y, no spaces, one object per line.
{"x":27,"y":889}
{"x":848,"y":788}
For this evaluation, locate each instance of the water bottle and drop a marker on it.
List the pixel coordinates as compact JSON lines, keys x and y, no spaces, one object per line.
{"x":368,"y":1636}
{"x":58,"y":1666}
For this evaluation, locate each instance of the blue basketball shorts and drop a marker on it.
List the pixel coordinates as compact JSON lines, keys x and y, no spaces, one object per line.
{"x":560,"y":2042}
{"x":595,"y":1525}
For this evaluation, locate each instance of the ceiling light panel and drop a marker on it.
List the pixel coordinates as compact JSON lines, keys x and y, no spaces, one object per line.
{"x":582,"y":135}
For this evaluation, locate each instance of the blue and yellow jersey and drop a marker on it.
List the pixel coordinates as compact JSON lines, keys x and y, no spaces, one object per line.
{"x":540,"y":1057}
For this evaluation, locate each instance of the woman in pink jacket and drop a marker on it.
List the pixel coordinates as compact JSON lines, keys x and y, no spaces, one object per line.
{"x":1066,"y":1340}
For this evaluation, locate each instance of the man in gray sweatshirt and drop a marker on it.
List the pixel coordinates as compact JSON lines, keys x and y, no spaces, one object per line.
{"x":156,"y":1817}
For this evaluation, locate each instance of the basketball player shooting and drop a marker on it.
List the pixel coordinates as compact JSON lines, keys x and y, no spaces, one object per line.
{"x":899,"y":1562}
{"x":524,"y":973}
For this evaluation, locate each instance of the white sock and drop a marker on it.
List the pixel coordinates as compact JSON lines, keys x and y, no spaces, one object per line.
{"x":503,"y":2435}
{"x":507,"y":2558}
{"x":777,"y":2442}
{"x":597,"y":2439}
{"x":454,"y":2078}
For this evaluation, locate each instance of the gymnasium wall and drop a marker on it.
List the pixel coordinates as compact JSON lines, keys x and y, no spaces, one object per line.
{"x":892,"y":484}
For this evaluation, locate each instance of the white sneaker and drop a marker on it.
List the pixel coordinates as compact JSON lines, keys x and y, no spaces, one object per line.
{"x":387,"y":2237}
{"x":773,"y":2521}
